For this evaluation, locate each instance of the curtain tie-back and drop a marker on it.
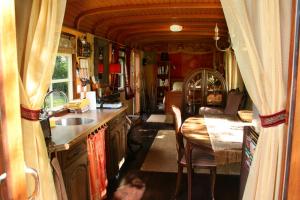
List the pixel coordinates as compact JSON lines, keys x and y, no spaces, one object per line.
{"x":273,"y":119}
{"x":32,"y":115}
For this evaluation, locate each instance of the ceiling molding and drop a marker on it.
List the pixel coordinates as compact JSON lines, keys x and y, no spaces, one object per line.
{"x":114,"y":30}
{"x":140,"y":7}
{"x":146,"y":22}
{"x":164,"y":17}
{"x":167,"y":36}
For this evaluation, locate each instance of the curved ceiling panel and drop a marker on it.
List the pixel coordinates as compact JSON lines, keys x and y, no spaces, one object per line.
{"x":145,"y":23}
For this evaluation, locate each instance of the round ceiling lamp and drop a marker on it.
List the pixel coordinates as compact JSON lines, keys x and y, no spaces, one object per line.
{"x":176,"y":28}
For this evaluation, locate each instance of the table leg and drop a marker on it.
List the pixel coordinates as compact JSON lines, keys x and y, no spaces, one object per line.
{"x":188,"y":155}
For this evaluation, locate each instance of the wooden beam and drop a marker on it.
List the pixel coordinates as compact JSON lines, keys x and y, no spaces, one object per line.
{"x":157,"y":35}
{"x":187,"y":25}
{"x":170,"y":39}
{"x":104,"y":22}
{"x":144,"y":7}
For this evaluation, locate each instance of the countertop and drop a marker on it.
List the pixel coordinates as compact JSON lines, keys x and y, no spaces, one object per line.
{"x":63,"y":137}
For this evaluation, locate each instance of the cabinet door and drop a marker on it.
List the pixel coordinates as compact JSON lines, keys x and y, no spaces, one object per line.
{"x":76,"y":179}
{"x":112,"y":153}
{"x":116,"y":145}
{"x":203,"y":87}
{"x":215,"y":89}
{"x":194,"y":92}
{"x":122,"y":147}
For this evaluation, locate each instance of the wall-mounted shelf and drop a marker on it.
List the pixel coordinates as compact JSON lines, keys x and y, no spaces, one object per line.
{"x":83,"y":49}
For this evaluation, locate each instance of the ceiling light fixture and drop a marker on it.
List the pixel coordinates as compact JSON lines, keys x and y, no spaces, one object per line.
{"x":176,"y":28}
{"x":217,"y":37}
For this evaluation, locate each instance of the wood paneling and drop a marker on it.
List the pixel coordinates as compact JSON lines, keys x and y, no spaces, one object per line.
{"x":142,"y":23}
{"x":183,"y":63}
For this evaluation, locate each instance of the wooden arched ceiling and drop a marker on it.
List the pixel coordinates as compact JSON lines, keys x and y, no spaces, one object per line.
{"x":146,"y":23}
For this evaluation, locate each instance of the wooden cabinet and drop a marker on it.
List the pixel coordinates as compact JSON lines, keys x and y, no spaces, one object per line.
{"x":74,"y":164}
{"x":203,"y":87}
{"x":116,"y":145}
{"x":162,"y":82}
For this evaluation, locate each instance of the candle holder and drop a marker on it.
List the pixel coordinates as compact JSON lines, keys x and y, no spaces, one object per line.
{"x":217,"y":38}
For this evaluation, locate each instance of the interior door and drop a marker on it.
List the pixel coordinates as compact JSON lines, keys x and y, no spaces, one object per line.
{"x":12,"y":165}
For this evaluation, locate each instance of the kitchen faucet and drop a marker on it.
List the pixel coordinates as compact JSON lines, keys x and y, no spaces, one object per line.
{"x":46,"y":112}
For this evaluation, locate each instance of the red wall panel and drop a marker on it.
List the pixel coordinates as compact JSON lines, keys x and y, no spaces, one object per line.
{"x":183,"y":63}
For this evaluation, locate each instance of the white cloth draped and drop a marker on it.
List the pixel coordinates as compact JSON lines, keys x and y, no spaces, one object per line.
{"x":260,"y":33}
{"x":37,"y":48}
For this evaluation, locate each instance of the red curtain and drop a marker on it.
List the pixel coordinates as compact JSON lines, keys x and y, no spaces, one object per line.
{"x":97,"y":164}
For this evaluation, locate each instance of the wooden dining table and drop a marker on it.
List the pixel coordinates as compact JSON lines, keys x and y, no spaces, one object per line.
{"x":220,"y":135}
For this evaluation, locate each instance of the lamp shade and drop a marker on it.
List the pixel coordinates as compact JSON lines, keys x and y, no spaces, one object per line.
{"x":100,"y":68}
{"x":115,"y":68}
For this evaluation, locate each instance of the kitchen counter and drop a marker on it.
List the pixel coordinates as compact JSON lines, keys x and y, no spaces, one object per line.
{"x":63,"y":137}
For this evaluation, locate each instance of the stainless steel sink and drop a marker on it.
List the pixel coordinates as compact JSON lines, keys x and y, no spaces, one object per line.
{"x":73,"y":121}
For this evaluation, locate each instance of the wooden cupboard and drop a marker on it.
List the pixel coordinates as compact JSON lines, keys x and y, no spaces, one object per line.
{"x":116,"y":145}
{"x":203,"y":87}
{"x":74,"y":162}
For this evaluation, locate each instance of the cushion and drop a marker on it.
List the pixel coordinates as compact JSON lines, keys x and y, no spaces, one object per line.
{"x":177,"y":86}
{"x":210,"y":110}
{"x":233,"y":102}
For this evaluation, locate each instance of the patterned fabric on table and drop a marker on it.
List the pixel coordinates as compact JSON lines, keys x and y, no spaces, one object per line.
{"x":97,"y":164}
{"x":226,"y":137}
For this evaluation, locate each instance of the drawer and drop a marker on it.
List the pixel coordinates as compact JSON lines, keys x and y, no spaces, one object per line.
{"x":71,"y":155}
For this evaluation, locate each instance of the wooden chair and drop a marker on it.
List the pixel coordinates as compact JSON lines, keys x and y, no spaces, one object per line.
{"x":200,"y":158}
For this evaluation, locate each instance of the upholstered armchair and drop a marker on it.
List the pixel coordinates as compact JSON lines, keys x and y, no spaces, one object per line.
{"x":234,"y":99}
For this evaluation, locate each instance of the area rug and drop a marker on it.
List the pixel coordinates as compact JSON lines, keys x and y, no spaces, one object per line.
{"x":162,"y":156}
{"x":160,"y":118}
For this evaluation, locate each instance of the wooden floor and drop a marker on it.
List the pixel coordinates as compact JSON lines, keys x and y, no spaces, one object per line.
{"x":161,"y":186}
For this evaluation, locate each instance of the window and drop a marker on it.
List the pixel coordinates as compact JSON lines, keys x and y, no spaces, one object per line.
{"x":61,"y":81}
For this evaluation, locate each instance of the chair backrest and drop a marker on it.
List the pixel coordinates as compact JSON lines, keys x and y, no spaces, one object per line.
{"x":234,"y":99}
{"x":179,"y":137}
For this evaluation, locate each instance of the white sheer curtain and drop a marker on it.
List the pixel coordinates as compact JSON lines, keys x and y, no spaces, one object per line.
{"x":260,"y":33}
{"x":38,"y":37}
{"x":232,"y":73}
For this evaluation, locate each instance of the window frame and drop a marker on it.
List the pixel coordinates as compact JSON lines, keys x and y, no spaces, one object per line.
{"x":68,"y":80}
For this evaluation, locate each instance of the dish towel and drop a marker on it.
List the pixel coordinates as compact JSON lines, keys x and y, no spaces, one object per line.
{"x":97,"y":164}
{"x":58,"y":180}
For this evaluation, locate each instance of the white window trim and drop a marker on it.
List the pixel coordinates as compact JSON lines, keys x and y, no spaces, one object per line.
{"x":68,"y":80}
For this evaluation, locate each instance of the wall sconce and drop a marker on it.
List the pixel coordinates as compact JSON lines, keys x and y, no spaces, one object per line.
{"x":217,"y":37}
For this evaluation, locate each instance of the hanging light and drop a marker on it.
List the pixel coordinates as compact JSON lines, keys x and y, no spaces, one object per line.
{"x":217,"y":37}
{"x":176,"y":28}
